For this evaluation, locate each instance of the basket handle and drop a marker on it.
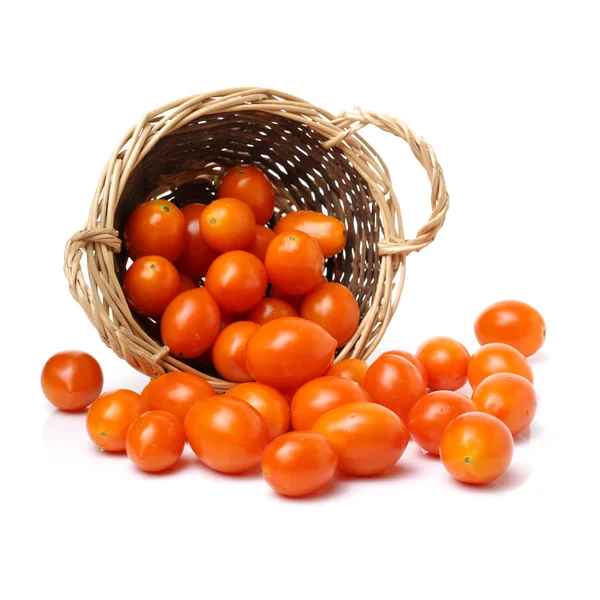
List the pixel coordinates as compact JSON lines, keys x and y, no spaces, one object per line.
{"x":353,"y":121}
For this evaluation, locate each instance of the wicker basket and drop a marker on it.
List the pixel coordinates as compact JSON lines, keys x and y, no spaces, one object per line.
{"x":315,"y":161}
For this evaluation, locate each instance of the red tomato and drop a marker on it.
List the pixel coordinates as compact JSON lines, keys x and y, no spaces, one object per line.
{"x":350,"y":368}
{"x":411,"y":358}
{"x":269,"y":309}
{"x":445,"y":361}
{"x":237,"y":280}
{"x":334,"y":308}
{"x":227,"y":224}
{"x":155,"y":228}
{"x":262,"y":238}
{"x":298,"y":463}
{"x":294,"y":263}
{"x":497,"y":358}
{"x":155,"y":441}
{"x":510,"y":398}
{"x":186,"y":283}
{"x":250,"y":185}
{"x":150,"y":283}
{"x":111,"y":415}
{"x":229,"y":351}
{"x":176,"y":393}
{"x":270,"y":403}
{"x":430,"y":415}
{"x":395,"y":383}
{"x":514,"y":323}
{"x":295,"y":301}
{"x":368,"y":438}
{"x":321,"y":395}
{"x":196,"y":255}
{"x":476,"y":448}
{"x":288,"y":352}
{"x":226,"y":434}
{"x":191,"y":324}
{"x":72,"y":380}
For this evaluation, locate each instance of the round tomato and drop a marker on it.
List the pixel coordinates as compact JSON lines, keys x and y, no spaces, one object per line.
{"x":294,"y":263}
{"x":227,"y":224}
{"x":176,"y":393}
{"x":430,"y":415}
{"x":497,"y":358}
{"x":190,"y":324}
{"x":155,"y":441}
{"x":269,"y":309}
{"x":250,"y":185}
{"x":150,"y":284}
{"x":262,"y":238}
{"x":226,"y":434}
{"x":270,"y":403}
{"x":111,"y":415}
{"x":294,"y":301}
{"x":72,"y":380}
{"x":288,"y":352}
{"x":367,"y":437}
{"x":330,"y":233}
{"x":446,"y":362}
{"x":395,"y":383}
{"x":319,"y":396}
{"x":411,"y":358}
{"x":334,"y":308}
{"x":476,"y":448}
{"x":155,"y":228}
{"x":510,"y":398}
{"x":229,"y":351}
{"x":350,"y":368}
{"x":196,"y":255}
{"x":237,"y":280}
{"x":186,"y":283}
{"x":298,"y":463}
{"x":514,"y":323}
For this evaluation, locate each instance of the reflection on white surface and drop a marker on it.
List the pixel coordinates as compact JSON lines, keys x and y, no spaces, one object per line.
{"x":64,"y":436}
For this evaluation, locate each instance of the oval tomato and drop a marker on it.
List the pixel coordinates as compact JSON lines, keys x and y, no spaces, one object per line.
{"x":269,"y":309}
{"x":295,"y":301}
{"x":497,"y":358}
{"x":229,"y":351}
{"x":350,"y":368}
{"x":186,"y":283}
{"x":262,"y":238}
{"x":410,"y":358}
{"x":446,"y":362}
{"x":227,"y":224}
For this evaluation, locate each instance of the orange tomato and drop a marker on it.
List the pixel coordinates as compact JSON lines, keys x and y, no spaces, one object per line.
{"x":497,"y":358}
{"x":186,"y":283}
{"x":155,"y":228}
{"x":226,"y":433}
{"x":155,"y":441}
{"x":350,"y":368}
{"x":509,"y":397}
{"x":367,"y":437}
{"x":411,"y":358}
{"x":514,"y":323}
{"x":476,"y":448}
{"x":298,"y":463}
{"x":110,"y":416}
{"x":229,"y":351}
{"x":446,"y":362}
{"x":227,"y":224}
{"x":269,"y":309}
{"x":295,"y":301}
{"x":262,"y":238}
{"x":71,"y":380}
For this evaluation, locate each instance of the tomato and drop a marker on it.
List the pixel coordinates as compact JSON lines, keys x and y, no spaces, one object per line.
{"x":196,"y":255}
{"x":262,"y":238}
{"x":334,"y":308}
{"x":395,"y":383}
{"x":186,"y":283}
{"x":514,"y":323}
{"x":155,"y":228}
{"x":270,"y":403}
{"x":288,"y":352}
{"x":176,"y":393}
{"x":294,"y":301}
{"x":226,"y":433}
{"x":237,"y":280}
{"x":411,"y":358}
{"x":330,"y":233}
{"x":298,"y":463}
{"x":497,"y":358}
{"x":294,"y":263}
{"x":227,"y":224}
{"x":150,"y":284}
{"x":350,"y":368}
{"x":446,"y":362}
{"x":476,"y":448}
{"x":229,"y":351}
{"x":250,"y":185}
{"x":72,"y":380}
{"x":190,"y":324}
{"x":509,"y":397}
{"x":269,"y":309}
{"x":367,"y":437}
{"x":155,"y":441}
{"x":321,"y":395}
{"x":430,"y":415}
{"x":110,"y":416}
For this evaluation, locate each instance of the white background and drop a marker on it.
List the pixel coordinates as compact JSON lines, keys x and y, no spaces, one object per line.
{"x":507,"y":95}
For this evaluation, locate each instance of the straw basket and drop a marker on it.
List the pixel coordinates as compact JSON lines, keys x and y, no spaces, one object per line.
{"x":315,"y":161}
